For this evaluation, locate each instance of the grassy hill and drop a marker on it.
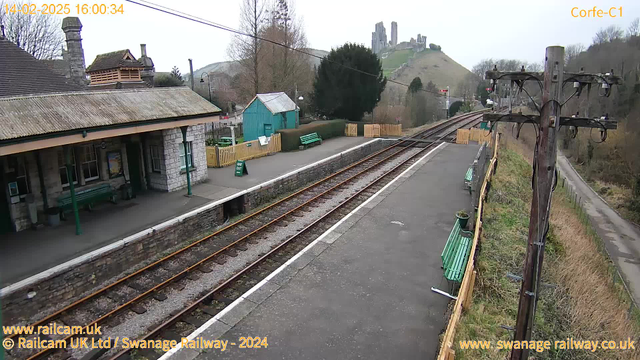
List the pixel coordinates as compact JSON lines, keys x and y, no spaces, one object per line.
{"x":429,"y":65}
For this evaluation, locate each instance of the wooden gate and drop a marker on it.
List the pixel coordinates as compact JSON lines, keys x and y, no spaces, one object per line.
{"x":351,"y":130}
{"x":372,"y":130}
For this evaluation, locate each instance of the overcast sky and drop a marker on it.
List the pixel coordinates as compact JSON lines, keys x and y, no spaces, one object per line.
{"x":468,"y":31}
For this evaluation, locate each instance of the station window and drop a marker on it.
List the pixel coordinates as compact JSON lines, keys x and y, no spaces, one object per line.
{"x":17,"y":177}
{"x":189,"y":155}
{"x":156,"y":157}
{"x":64,"y":179}
{"x":90,"y":163}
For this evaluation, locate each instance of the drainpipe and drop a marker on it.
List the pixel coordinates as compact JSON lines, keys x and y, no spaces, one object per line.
{"x":72,"y":191}
{"x":186,"y":158}
{"x":43,"y":188}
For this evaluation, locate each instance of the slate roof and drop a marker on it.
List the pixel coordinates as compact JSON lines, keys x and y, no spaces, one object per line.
{"x":21,"y":74}
{"x":276,"y":102}
{"x":113,"y":60}
{"x":58,"y":66}
{"x":25,"y":116}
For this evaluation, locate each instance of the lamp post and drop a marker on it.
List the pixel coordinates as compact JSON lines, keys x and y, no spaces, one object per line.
{"x":208,"y":82}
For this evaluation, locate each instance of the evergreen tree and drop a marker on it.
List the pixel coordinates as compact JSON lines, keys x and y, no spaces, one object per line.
{"x":175,"y":72}
{"x":346,"y":93}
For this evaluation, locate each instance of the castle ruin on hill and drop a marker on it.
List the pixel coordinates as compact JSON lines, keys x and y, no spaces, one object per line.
{"x":379,"y":40}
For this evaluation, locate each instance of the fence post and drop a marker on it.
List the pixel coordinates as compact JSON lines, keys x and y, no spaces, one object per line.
{"x":217,"y":156}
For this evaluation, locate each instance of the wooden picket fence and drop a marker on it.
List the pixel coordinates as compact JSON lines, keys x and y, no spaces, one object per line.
{"x":463,"y":136}
{"x":225,"y":156}
{"x":351,"y":130}
{"x":466,"y":287}
{"x":377,"y":130}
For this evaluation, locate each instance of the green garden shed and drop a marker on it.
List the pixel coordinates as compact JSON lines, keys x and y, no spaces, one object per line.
{"x":267,"y":113}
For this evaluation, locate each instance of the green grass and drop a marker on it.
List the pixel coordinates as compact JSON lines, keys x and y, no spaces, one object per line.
{"x":502,"y":250}
{"x":395,"y":59}
{"x":585,"y":299}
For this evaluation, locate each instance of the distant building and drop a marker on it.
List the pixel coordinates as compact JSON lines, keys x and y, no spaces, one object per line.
{"x":267,"y":113}
{"x":116,"y":70}
{"x":105,"y":71}
{"x":379,"y":38}
{"x":394,"y":33}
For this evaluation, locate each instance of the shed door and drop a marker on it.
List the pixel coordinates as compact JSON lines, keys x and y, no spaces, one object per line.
{"x":268,"y":130}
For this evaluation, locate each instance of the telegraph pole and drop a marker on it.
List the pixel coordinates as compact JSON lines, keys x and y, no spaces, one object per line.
{"x":543,"y":183}
{"x":544,"y":176}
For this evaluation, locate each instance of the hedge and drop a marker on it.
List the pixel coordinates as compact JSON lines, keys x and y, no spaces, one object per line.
{"x":325,"y":128}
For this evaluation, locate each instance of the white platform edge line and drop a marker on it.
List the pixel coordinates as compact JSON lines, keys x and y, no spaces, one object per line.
{"x":257,"y":286}
{"x":132,"y":238}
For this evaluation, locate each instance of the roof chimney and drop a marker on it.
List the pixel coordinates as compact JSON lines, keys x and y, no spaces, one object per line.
{"x":75,"y":54}
{"x":149,"y":70}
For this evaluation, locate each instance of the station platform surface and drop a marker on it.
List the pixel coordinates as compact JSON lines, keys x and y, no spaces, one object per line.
{"x":30,"y":252}
{"x":363,"y":289}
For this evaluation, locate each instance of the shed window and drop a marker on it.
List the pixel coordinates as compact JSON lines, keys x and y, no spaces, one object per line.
{"x":90,"y":163}
{"x":156,"y":157}
{"x":64,"y":179}
{"x":189,"y":155}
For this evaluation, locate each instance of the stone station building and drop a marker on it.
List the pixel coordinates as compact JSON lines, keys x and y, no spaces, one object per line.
{"x":116,"y":137}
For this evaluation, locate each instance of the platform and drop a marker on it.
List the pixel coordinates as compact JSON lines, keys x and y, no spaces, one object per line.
{"x":29,"y":252}
{"x":362,"y":290}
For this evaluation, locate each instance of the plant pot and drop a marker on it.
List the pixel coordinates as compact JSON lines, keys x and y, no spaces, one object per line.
{"x":463,"y":220}
{"x":53,"y":216}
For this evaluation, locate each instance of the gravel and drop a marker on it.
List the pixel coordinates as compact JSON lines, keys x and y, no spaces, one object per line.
{"x":134,"y":325}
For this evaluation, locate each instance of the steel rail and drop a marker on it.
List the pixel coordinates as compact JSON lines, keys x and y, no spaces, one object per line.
{"x":181,"y":274}
{"x":196,"y":303}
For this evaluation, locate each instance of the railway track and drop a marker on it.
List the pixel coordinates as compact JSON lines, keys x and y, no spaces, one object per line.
{"x":155,"y":282}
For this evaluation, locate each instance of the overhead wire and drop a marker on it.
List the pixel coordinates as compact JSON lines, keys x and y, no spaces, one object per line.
{"x":202,"y":21}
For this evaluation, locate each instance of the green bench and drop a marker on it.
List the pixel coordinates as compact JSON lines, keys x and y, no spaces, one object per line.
{"x":456,"y":253}
{"x":87,"y":197}
{"x":309,"y":139}
{"x":468,"y":178}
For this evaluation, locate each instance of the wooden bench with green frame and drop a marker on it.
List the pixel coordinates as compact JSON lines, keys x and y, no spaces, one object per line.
{"x":456,"y":253}
{"x":309,"y":139}
{"x":87,"y":197}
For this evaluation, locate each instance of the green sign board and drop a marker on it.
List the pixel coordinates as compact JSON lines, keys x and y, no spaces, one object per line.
{"x":241,"y":168}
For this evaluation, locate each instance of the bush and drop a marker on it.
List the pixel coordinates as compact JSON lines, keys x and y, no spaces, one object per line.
{"x":326,"y":129}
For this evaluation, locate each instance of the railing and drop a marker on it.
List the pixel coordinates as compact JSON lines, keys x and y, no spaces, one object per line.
{"x":468,"y":281}
{"x":225,"y":156}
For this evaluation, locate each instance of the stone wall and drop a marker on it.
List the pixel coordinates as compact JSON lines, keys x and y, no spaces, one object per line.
{"x":49,"y":160}
{"x":276,"y":189}
{"x":62,"y":287}
{"x":172,"y":140}
{"x":93,"y":270}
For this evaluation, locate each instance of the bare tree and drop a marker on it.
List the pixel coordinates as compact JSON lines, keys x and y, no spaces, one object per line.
{"x":634,"y":28}
{"x":609,"y":34}
{"x":467,"y":87}
{"x":287,"y":67}
{"x":39,"y":35}
{"x":571,"y":52}
{"x":482,"y":67}
{"x":247,"y":50}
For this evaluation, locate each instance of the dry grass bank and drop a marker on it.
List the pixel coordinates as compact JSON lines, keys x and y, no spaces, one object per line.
{"x":584,"y":298}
